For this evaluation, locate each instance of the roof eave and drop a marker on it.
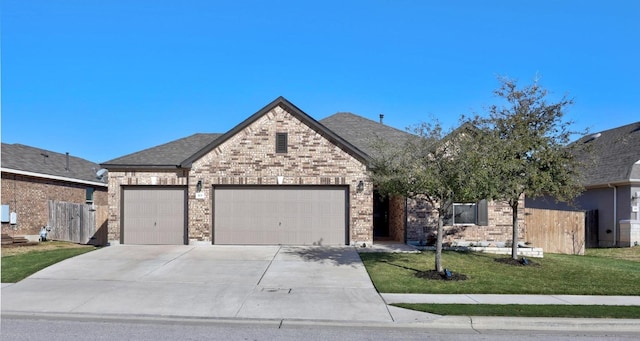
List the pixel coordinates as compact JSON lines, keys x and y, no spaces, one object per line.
{"x":614,"y":183}
{"x":137,"y":166}
{"x":53,"y":177}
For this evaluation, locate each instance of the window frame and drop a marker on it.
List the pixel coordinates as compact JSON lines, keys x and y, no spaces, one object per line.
{"x":89,"y":195}
{"x":480,"y":214}
{"x":474,"y":208}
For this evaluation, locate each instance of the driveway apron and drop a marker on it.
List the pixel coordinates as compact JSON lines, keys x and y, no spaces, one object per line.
{"x":263,"y":282}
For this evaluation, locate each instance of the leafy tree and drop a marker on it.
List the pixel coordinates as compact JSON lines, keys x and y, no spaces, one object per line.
{"x":434,"y":167}
{"x":527,"y":148}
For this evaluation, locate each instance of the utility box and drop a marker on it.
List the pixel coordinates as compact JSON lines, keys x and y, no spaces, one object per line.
{"x":629,"y":233}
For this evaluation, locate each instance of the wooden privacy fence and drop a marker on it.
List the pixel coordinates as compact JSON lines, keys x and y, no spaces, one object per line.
{"x":78,"y":223}
{"x":556,"y":231}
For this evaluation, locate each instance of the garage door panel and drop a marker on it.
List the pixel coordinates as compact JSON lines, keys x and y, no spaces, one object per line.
{"x":300,"y":215}
{"x":154,"y":215}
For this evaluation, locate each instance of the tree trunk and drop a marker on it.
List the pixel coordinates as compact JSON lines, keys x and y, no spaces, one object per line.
{"x":514,"y":243}
{"x":439,"y":244}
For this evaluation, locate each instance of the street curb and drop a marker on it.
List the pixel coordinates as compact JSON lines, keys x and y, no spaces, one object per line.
{"x":475,"y":323}
{"x":556,"y":324}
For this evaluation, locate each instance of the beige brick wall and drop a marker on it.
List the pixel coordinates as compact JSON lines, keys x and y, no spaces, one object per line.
{"x":28,"y":196}
{"x":249,"y":157}
{"x":422,"y":224}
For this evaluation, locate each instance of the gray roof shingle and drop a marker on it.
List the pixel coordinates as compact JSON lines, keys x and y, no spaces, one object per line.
{"x":363,"y":132}
{"x":182,"y":152}
{"x":35,"y":160}
{"x":170,"y":154}
{"x":353,"y":133}
{"x":612,"y":155}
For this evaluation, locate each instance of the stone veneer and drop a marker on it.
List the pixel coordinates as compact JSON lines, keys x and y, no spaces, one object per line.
{"x":249,"y":158}
{"x":422,"y":225}
{"x":29,"y":197}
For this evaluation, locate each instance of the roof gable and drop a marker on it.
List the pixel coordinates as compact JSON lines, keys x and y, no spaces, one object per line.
{"x":611,"y":155}
{"x":19,"y":157}
{"x":296,"y":112}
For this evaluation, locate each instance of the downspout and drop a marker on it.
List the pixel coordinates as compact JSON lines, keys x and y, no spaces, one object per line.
{"x":615,"y":213}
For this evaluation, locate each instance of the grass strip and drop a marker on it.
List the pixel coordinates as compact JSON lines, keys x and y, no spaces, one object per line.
{"x":572,"y":311}
{"x":555,"y":274}
{"x":18,"y":267}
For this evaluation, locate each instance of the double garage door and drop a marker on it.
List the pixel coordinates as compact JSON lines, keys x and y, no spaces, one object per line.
{"x":242,"y":215}
{"x":289,"y":215}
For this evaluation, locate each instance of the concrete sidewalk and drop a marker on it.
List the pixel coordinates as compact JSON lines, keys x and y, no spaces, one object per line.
{"x":511,"y":299}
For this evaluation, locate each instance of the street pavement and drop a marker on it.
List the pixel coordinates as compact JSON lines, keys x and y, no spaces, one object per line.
{"x":258,"y":283}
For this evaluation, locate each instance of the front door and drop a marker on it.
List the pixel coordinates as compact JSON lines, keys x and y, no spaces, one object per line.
{"x":380,"y":215}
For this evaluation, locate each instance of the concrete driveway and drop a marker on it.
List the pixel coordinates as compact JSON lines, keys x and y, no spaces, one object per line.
{"x":262,"y":282}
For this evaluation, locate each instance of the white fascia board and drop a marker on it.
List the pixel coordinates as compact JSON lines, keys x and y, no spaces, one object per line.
{"x":630,"y":182}
{"x":53,"y":177}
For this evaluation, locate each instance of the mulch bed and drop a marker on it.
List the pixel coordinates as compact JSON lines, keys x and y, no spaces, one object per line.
{"x":435,"y":275}
{"x":516,"y":262}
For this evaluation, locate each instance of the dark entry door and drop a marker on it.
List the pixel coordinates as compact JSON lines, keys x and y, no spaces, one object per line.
{"x":380,"y":215}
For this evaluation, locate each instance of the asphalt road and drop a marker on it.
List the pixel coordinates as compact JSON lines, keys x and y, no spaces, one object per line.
{"x":51,"y":328}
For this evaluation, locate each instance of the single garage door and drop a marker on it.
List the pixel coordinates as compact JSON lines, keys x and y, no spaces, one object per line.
{"x":289,"y":215}
{"x":154,"y":215}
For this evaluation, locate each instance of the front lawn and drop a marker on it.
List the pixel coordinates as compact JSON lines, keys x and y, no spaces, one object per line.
{"x":599,"y":273}
{"x":19,"y":262}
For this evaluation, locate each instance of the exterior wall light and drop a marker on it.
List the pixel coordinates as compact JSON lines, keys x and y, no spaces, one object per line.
{"x":360,"y":186}
{"x":199,"y":186}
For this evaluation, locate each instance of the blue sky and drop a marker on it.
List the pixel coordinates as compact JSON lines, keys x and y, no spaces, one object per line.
{"x":101,"y":79}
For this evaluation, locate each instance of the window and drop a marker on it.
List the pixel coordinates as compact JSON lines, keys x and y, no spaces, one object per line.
{"x":467,"y":214}
{"x":5,"y":213}
{"x":281,"y":142}
{"x":89,"y":199}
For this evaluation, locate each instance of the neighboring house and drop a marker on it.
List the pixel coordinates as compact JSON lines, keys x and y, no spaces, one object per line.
{"x":279,"y":177}
{"x":33,"y":176}
{"x":611,"y":178}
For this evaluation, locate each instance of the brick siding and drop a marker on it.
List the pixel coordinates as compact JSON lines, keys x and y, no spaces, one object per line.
{"x":422,"y":224}
{"x":249,"y":158}
{"x":28,"y":196}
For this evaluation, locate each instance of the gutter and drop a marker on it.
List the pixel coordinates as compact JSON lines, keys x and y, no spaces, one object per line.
{"x":615,"y":213}
{"x":629,"y":182}
{"x":53,"y":177}
{"x":129,"y":167}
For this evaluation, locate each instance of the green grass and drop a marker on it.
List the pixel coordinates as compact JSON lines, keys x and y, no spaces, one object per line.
{"x":598,"y":274}
{"x":573,"y":311}
{"x":627,"y":253}
{"x":19,"y":266}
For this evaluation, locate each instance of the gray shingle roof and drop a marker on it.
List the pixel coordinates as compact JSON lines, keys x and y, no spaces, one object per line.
{"x":182,"y":152}
{"x":612,"y":155}
{"x":35,"y":160}
{"x":170,"y":154}
{"x":362,"y":132}
{"x":353,"y":133}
